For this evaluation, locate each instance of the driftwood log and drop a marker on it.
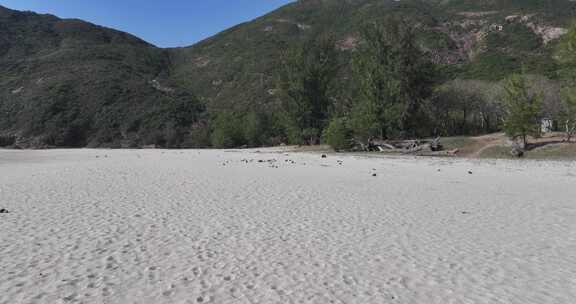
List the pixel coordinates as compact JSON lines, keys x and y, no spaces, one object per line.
{"x":415,"y":147}
{"x":440,"y":153}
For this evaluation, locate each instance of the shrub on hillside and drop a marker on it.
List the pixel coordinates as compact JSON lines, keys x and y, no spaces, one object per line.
{"x":338,"y":135}
{"x":228,"y":131}
{"x":254,"y":129}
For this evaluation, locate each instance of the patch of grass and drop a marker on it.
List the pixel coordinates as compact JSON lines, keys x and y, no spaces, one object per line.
{"x":498,"y":152}
{"x":553,"y":152}
{"x":462,"y":143}
{"x":557,"y":151}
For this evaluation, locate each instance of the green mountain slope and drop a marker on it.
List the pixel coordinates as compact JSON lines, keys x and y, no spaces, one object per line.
{"x":71,"y":83}
{"x":475,"y":39}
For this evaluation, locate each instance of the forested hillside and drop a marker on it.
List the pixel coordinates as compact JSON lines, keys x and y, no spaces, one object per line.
{"x":71,"y":83}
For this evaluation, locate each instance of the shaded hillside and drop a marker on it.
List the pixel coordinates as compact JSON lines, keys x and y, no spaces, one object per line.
{"x":71,"y":83}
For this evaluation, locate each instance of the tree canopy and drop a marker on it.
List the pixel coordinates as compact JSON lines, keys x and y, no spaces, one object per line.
{"x":522,"y":109}
{"x":306,"y":79}
{"x":393,"y":78}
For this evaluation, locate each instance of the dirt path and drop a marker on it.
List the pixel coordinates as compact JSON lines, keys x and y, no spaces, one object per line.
{"x":477,"y":145}
{"x":485,"y":142}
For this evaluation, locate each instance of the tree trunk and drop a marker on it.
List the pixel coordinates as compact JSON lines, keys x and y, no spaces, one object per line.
{"x":569,"y":131}
{"x":464,"y":118}
{"x":524,"y":141}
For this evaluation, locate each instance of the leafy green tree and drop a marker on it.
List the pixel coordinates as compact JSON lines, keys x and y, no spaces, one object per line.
{"x":365,"y":121}
{"x":566,"y":56}
{"x":566,"y":53}
{"x":167,"y":123}
{"x":466,"y":107}
{"x":522,"y":109}
{"x":338,"y":135}
{"x":199,"y":135}
{"x":394,"y":78}
{"x":227,"y":131}
{"x":307,"y":76}
{"x":568,"y":114}
{"x":254,"y":130}
{"x":62,"y":121}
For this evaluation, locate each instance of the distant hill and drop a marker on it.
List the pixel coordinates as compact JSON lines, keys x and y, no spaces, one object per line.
{"x":72,"y":83}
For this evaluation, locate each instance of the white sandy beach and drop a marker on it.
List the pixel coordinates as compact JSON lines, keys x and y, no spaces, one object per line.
{"x":151,"y":227}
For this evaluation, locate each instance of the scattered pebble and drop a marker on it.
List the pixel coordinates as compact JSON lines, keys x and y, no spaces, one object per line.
{"x":324,"y":156}
{"x":374,"y":174}
{"x":469,"y":172}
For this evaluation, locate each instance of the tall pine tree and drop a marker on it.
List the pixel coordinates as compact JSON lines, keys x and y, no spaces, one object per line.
{"x":393,"y":78}
{"x":306,"y":80}
{"x":522,"y":109}
{"x":566,"y":56}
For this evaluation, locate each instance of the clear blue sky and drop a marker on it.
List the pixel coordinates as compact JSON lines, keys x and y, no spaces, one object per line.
{"x":166,"y":23}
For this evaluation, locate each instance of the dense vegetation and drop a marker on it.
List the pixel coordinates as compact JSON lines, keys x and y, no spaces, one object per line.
{"x":70,"y":83}
{"x":393,"y":79}
{"x":312,"y":71}
{"x":522,"y":110}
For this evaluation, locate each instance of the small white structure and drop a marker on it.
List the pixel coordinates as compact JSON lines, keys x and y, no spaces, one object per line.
{"x":547,"y":125}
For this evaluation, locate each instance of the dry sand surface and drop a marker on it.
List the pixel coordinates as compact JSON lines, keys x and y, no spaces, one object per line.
{"x":152,"y":227}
